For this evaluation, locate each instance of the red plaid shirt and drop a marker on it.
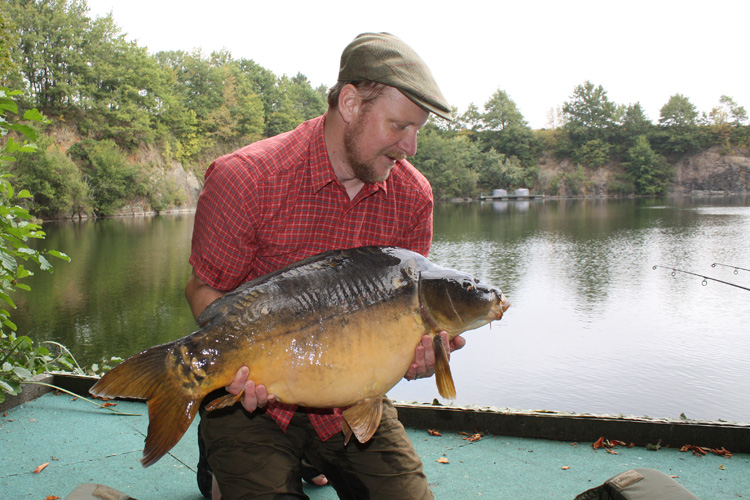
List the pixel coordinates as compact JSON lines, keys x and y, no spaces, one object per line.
{"x":277,"y":201}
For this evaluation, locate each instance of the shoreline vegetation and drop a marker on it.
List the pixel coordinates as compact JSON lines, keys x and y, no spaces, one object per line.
{"x":139,"y":141}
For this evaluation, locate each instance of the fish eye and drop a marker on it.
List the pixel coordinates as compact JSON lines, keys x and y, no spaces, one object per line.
{"x":468,"y":285}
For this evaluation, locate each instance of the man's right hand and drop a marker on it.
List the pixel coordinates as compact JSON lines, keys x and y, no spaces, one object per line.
{"x":255,"y":396}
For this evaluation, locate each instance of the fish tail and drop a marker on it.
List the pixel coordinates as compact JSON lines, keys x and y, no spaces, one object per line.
{"x":170,"y":408}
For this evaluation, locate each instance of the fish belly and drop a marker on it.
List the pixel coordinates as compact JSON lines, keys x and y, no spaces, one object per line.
{"x":340,"y":361}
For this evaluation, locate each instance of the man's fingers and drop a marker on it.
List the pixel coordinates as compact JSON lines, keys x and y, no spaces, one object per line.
{"x":238,"y":383}
{"x":457,"y":343}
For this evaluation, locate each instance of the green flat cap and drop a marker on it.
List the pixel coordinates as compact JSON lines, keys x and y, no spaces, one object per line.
{"x":386,"y":59}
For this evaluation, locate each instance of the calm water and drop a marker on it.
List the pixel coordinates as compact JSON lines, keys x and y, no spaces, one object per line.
{"x":592,"y":327}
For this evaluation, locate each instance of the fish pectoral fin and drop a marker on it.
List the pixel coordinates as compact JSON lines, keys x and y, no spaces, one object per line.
{"x":224,"y":401}
{"x":363,"y":418}
{"x":443,"y":377}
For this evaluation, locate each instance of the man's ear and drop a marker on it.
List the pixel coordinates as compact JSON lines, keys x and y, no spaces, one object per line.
{"x":350,"y":102}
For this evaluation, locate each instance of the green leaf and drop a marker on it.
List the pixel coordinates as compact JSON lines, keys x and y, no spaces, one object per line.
{"x":22,"y":372}
{"x":35,"y":115}
{"x":6,"y":387}
{"x":59,"y":255}
{"x":24,"y":194}
{"x":44,"y":264}
{"x":24,"y":129}
{"x":11,"y":146}
{"x":8,"y":105}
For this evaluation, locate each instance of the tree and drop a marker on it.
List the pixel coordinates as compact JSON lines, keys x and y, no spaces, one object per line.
{"x":56,"y":184}
{"x":680,"y":130}
{"x":678,"y":111}
{"x":8,"y":39}
{"x":728,"y":111}
{"x":589,"y":110}
{"x":501,"y":113}
{"x":51,"y":55}
{"x":648,"y":170}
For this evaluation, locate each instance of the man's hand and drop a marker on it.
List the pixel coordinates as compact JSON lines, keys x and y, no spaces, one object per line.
{"x":424,"y":357}
{"x":255,"y":396}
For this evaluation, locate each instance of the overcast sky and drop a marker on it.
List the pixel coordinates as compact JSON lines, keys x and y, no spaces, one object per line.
{"x":537,"y":51}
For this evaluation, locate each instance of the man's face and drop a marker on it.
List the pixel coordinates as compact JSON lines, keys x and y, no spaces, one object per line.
{"x":383,"y":131}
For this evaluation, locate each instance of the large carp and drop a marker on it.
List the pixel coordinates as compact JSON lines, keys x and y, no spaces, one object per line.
{"x":335,"y":330}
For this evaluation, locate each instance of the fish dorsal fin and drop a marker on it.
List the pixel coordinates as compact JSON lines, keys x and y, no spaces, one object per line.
{"x":363,"y":418}
{"x":443,"y":376}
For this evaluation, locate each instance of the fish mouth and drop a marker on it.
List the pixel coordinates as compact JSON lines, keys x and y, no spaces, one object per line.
{"x":501,"y":305}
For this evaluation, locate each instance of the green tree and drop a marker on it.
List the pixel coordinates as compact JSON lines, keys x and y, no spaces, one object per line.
{"x":57,"y":186}
{"x":448,"y":163}
{"x":588,"y":111}
{"x":51,"y":55}
{"x":8,"y":39}
{"x":501,"y":113}
{"x":679,"y":134}
{"x":728,"y":111}
{"x":678,"y":111}
{"x":648,"y":170}
{"x":113,"y":180}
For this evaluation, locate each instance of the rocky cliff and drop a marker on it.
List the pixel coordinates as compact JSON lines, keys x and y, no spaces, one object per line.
{"x":713,"y":170}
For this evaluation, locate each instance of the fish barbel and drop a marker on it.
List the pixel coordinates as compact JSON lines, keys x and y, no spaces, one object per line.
{"x":335,"y":330}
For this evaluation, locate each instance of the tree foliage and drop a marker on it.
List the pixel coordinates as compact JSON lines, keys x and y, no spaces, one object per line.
{"x":190,"y":107}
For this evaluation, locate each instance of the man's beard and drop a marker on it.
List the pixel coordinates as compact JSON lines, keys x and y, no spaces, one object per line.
{"x":363,"y":170}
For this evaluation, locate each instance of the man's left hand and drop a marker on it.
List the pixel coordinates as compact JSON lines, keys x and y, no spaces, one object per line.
{"x":424,"y":357}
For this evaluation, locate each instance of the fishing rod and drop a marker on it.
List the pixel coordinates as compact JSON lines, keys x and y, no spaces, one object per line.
{"x":736,"y":268}
{"x":705,"y":278}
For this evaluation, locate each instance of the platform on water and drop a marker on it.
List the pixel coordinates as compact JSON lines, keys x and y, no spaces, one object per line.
{"x":85,"y":444}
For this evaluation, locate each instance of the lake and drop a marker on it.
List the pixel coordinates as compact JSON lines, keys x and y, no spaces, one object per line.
{"x":592,"y":326}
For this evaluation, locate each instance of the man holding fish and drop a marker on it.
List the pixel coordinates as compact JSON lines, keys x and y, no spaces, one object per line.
{"x":338,"y":181}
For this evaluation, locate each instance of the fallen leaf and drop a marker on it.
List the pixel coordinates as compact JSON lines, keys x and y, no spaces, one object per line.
{"x":721,"y":467}
{"x":40,"y":468}
{"x":473,"y":437}
{"x":463,"y":433}
{"x":443,"y":460}
{"x":599,"y":443}
{"x":674,"y":477}
{"x":565,"y":467}
{"x":697,"y":450}
{"x":611,"y":451}
{"x":108,"y":404}
{"x":654,"y":447}
{"x":433,"y":432}
{"x":52,"y":497}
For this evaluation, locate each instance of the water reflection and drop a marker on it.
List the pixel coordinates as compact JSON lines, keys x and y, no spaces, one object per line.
{"x":592,"y":328}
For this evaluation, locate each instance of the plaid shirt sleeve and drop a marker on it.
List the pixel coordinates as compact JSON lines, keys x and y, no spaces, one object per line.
{"x":224,"y":226}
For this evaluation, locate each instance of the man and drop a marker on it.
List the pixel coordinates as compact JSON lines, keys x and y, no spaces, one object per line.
{"x":338,"y":181}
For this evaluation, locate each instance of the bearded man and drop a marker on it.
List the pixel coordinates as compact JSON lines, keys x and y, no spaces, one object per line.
{"x":337,"y":181}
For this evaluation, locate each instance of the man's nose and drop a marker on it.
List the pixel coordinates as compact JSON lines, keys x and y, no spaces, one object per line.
{"x":408,"y":143}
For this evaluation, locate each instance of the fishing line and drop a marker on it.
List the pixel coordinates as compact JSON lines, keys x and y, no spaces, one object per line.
{"x":705,"y":278}
{"x":736,"y":268}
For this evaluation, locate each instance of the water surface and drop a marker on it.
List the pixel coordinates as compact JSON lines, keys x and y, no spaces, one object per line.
{"x":592,"y":327}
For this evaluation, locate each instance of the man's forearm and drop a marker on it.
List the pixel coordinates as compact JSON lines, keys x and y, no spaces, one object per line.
{"x":199,"y":295}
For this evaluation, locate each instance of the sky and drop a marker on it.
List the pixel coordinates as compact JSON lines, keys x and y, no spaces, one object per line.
{"x":537,"y":51}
